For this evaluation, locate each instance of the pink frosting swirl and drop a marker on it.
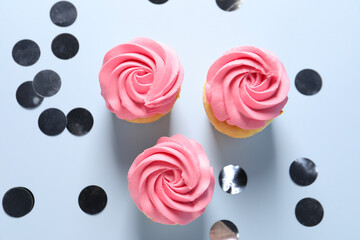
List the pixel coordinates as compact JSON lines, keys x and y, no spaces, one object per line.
{"x":140,"y":78}
{"x":172,"y":182}
{"x":247,"y":86}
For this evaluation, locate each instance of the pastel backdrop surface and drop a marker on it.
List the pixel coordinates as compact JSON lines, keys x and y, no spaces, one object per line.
{"x":321,"y":35}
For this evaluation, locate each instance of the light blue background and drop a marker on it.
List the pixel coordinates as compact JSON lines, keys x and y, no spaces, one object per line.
{"x":323,"y":35}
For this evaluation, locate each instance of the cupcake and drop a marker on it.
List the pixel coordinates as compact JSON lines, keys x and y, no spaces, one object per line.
{"x":141,"y":80}
{"x":245,"y":90}
{"x":172,"y":182}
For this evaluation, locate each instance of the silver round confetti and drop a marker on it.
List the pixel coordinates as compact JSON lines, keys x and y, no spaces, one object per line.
{"x":158,"y":1}
{"x":79,"y":121}
{"x":224,"y":230}
{"x":63,"y":14}
{"x":229,"y":5}
{"x":303,"y":171}
{"x":309,"y":212}
{"x":308,"y":82}
{"x":27,"y":97}
{"x":47,"y":83}
{"x":26,"y":52}
{"x":52,"y":121}
{"x":18,"y":201}
{"x":65,"y":46}
{"x":92,"y":199}
{"x":232,"y":179}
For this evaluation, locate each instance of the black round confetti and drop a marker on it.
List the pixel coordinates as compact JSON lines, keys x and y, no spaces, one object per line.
{"x":303,"y":171}
{"x":52,"y":122}
{"x":65,"y":46}
{"x":92,"y":199}
{"x":26,"y":52}
{"x":27,"y":97}
{"x":308,"y":82}
{"x":229,"y":5}
{"x":233,"y":179}
{"x":63,"y":14}
{"x":158,"y":1}
{"x":309,"y":212}
{"x":18,"y":201}
{"x":224,"y":230}
{"x":47,"y":83}
{"x":79,"y":121}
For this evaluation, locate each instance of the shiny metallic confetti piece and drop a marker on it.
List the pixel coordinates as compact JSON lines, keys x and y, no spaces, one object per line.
{"x":224,"y":230}
{"x":65,"y":46}
{"x":303,"y":171}
{"x":158,"y":1}
{"x":232,"y":179}
{"x":229,"y":5}
{"x":47,"y":83}
{"x":18,"y":201}
{"x":79,"y":121}
{"x":308,"y":82}
{"x":52,"y":122}
{"x":309,"y":212}
{"x":92,"y":199}
{"x":27,"y":97}
{"x":63,"y":14}
{"x":26,"y":52}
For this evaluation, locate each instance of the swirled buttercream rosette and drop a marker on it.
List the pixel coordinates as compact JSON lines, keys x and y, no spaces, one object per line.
{"x":172,"y":182}
{"x":141,"y":80}
{"x":245,"y":90}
